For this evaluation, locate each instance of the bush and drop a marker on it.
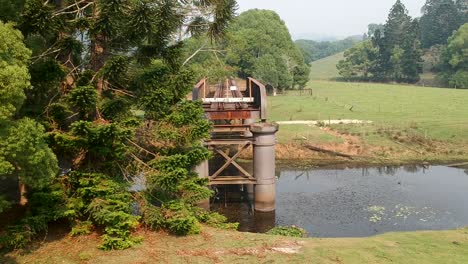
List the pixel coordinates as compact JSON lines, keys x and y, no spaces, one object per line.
{"x":292,"y":231}
{"x":179,"y":219}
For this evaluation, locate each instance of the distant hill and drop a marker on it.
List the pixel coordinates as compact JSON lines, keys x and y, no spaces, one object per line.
{"x":325,"y":69}
{"x":314,"y":50}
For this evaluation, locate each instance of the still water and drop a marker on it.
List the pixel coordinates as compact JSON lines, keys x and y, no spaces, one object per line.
{"x":361,"y":202}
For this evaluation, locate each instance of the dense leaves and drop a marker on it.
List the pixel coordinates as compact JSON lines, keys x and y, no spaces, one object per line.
{"x":440,"y":19}
{"x":314,"y":50}
{"x":359,"y":61}
{"x":24,"y":153}
{"x":108,"y":85}
{"x":393,"y":54}
{"x":454,"y":60}
{"x":258,"y":44}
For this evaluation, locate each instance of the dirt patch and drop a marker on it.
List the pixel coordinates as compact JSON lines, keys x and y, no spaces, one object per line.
{"x":325,"y":122}
{"x":351,"y":145}
{"x":284,"y":247}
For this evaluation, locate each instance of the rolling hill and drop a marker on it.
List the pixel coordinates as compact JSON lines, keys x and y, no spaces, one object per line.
{"x":325,"y":69}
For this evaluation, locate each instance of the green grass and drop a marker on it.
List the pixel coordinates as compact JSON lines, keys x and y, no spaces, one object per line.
{"x":439,"y":113}
{"x":325,"y":69}
{"x":410,"y":123}
{"x":220,"y":246}
{"x":305,"y":133}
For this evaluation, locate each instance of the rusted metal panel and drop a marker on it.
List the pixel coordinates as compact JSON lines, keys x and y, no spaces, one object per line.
{"x":226,"y":142}
{"x":228,"y":100}
{"x":222,"y":115}
{"x":260,"y":96}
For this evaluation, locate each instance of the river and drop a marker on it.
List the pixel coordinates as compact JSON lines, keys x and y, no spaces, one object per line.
{"x":360,"y":202}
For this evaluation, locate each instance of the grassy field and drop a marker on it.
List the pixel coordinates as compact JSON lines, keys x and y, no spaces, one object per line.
{"x":325,"y":69}
{"x":219,"y":246}
{"x":428,"y":123}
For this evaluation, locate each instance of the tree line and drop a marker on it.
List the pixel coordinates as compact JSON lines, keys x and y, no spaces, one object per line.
{"x":314,"y":50}
{"x":393,"y":51}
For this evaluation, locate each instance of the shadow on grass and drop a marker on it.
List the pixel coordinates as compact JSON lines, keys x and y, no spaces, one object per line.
{"x":56,"y":231}
{"x":7,"y":259}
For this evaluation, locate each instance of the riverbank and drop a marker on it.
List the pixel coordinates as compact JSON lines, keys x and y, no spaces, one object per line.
{"x":220,"y":246}
{"x":398,"y":124}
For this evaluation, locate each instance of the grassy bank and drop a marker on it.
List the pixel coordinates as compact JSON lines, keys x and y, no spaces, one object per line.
{"x":218,"y":246}
{"x":408,"y":122}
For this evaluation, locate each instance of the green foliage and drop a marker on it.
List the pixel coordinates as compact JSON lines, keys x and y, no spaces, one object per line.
{"x":258,"y":44}
{"x":358,"y":61}
{"x":161,"y":88}
{"x":440,"y":18}
{"x":4,"y":204}
{"x":9,"y":10}
{"x":218,"y":221}
{"x":84,"y":98}
{"x":115,"y":109}
{"x":23,"y":150}
{"x":81,"y":228}
{"x":265,"y":69}
{"x":256,"y":39}
{"x":393,"y":54}
{"x":399,"y":48}
{"x":179,"y":219}
{"x":314,"y":50}
{"x":107,"y":203}
{"x":115,"y":71}
{"x":58,"y":113}
{"x":45,"y":205}
{"x":14,"y":77}
{"x":454,"y":62}
{"x":46,"y":75}
{"x":292,"y":231}
{"x":153,"y":217}
{"x":23,"y":146}
{"x":94,"y":65}
{"x":98,"y":145}
{"x":459,"y":79}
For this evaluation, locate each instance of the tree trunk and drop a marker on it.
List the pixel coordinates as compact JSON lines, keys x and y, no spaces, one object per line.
{"x":23,"y":191}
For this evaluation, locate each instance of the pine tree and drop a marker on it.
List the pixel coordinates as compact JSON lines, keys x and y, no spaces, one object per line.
{"x":95,"y":65}
{"x":440,"y":18}
{"x":399,"y":48}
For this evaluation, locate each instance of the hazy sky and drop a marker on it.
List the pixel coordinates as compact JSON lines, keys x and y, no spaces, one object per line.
{"x":330,"y":18}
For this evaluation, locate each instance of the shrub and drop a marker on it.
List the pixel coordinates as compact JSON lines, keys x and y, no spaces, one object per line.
{"x":292,"y":231}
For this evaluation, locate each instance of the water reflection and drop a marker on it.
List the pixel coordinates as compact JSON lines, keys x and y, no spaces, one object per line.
{"x":359,"y":202}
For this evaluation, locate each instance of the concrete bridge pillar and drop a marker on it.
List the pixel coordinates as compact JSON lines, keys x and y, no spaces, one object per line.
{"x":264,"y":165}
{"x":203,"y":171}
{"x":248,"y":122}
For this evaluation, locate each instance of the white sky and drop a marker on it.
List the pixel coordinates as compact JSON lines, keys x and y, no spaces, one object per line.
{"x":317,"y":19}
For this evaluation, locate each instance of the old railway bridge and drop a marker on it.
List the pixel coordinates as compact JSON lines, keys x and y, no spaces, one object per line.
{"x":239,"y":116}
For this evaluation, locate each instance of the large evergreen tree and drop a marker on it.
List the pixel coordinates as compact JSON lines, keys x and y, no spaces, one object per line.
{"x":108,"y":83}
{"x":24,"y":153}
{"x":257,"y":33}
{"x":399,"y":48}
{"x":462,"y":6}
{"x":258,"y":44}
{"x":440,"y":18}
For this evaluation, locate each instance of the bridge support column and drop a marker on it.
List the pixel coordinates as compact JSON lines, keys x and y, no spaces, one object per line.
{"x":248,"y":122}
{"x":264,"y":165}
{"x":250,"y":191}
{"x":203,"y":171}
